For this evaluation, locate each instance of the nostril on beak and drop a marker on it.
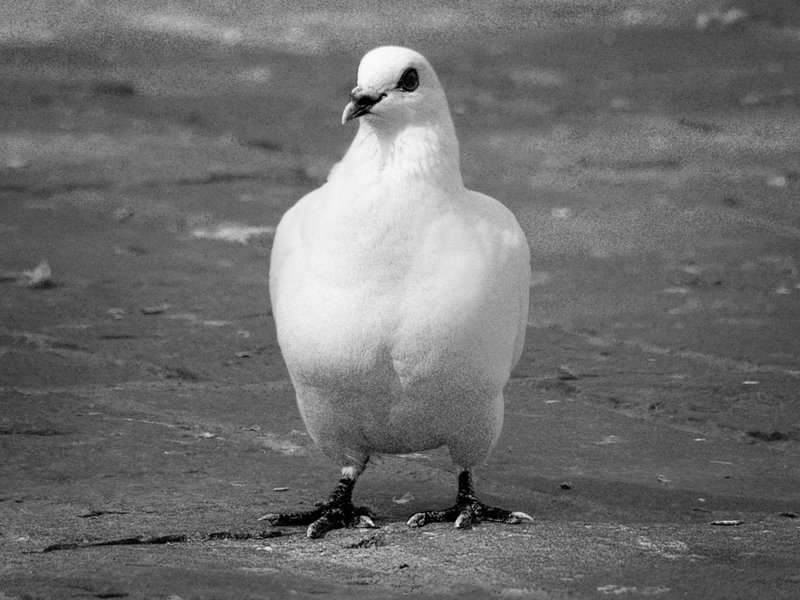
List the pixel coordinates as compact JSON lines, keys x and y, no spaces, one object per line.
{"x":363,"y":99}
{"x":360,"y":104}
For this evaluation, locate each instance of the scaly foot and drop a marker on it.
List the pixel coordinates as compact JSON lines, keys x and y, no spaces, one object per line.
{"x":338,"y":512}
{"x":468,"y":510}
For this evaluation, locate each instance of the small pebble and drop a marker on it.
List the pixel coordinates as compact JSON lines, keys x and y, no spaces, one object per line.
{"x":16,"y":162}
{"x":404,"y":499}
{"x":40,"y":277}
{"x":122,"y":214}
{"x":565,"y":373}
{"x":155,"y":309}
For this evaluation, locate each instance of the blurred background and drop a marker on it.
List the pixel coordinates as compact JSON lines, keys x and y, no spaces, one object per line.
{"x":649,"y":149}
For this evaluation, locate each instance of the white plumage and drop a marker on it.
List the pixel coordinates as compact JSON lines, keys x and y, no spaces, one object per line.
{"x":400,"y":297}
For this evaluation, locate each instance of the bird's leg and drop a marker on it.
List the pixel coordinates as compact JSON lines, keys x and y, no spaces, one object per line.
{"x":336,"y":513}
{"x":468,"y":509}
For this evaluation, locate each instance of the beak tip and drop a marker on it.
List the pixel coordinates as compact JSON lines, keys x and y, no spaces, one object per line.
{"x":351,"y":110}
{"x":347,"y":115}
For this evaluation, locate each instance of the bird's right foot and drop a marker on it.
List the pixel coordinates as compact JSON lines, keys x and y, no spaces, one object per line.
{"x":337,"y":513}
{"x":324,"y":518}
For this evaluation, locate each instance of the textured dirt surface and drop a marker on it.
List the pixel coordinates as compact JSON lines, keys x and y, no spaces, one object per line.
{"x":652,"y":426}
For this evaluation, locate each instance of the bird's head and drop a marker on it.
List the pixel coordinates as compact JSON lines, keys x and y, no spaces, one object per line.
{"x":396,"y":86}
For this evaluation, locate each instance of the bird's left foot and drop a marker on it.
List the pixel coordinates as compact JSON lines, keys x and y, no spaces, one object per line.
{"x":468,"y":510}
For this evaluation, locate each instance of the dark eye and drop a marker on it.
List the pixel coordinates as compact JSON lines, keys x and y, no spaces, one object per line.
{"x":409,"y":81}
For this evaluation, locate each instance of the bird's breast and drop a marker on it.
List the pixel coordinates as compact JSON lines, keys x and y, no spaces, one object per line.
{"x":392,"y":293}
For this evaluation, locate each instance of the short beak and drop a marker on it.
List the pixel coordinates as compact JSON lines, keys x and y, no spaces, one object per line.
{"x":360,"y":104}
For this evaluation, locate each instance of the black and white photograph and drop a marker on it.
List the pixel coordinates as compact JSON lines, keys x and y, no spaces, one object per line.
{"x":400,"y":300}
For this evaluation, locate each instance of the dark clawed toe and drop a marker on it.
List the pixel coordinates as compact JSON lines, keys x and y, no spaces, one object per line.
{"x":434,"y":516}
{"x":517,"y":516}
{"x":339,"y":518}
{"x":323,"y":525}
{"x":288,"y":519}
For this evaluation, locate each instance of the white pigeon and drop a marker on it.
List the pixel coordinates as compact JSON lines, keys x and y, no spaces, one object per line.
{"x":400,"y":297}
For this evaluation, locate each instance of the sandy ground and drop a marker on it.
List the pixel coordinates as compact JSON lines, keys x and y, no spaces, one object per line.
{"x":652,"y":426}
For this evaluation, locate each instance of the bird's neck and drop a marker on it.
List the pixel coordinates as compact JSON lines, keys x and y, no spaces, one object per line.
{"x":402,"y":156}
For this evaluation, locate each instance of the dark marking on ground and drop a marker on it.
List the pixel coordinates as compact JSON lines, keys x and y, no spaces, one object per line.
{"x":774,"y":436}
{"x":170,"y":538}
{"x":121,"y":89}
